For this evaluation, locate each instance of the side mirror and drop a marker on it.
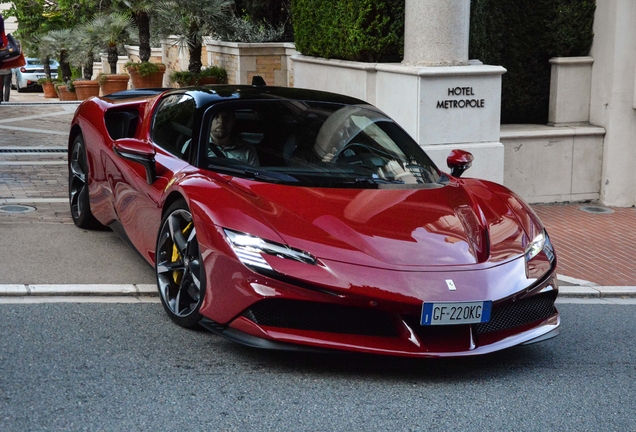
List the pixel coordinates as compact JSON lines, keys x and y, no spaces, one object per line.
{"x":459,"y":161}
{"x":138,"y":151}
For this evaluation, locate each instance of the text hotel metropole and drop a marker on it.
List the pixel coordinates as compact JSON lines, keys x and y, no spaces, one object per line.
{"x":461,"y":103}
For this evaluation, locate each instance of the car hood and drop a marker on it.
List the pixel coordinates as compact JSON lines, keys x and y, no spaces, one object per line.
{"x":450,"y":225}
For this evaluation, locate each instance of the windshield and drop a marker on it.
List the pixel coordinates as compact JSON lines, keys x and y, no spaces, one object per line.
{"x":314,"y":144}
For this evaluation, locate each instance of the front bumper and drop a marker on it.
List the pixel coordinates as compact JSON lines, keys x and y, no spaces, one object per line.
{"x":287,"y":324}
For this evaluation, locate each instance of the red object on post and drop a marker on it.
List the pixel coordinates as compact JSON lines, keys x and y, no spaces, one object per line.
{"x":14,"y":63}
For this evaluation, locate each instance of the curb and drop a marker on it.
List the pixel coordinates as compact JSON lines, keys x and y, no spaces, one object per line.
{"x":146,"y":290}
{"x":26,"y":290}
{"x":597,"y":291}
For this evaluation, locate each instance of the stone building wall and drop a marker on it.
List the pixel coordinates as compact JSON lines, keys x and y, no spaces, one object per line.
{"x":242,"y":61}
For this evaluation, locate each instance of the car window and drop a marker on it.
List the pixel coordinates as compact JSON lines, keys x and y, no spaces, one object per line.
{"x":309,"y":143}
{"x":172,"y":125}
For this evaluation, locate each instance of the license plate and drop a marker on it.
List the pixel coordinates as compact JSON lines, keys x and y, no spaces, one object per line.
{"x":456,"y":313}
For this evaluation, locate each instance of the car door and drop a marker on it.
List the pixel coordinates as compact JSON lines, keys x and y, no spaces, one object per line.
{"x":138,"y":199}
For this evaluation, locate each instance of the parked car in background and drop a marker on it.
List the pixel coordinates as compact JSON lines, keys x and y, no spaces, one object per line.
{"x":28,"y":75}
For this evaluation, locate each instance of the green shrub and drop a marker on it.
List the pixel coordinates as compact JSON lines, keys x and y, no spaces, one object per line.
{"x":215,"y":71}
{"x":143,"y":68}
{"x":358,"y":30}
{"x":522,"y":36}
{"x":183,"y":78}
{"x":187,"y":78}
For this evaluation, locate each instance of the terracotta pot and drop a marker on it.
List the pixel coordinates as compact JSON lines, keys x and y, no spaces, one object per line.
{"x":113,"y":83}
{"x":66,"y":95}
{"x":49,"y":90}
{"x":86,"y":89}
{"x":149,"y":81}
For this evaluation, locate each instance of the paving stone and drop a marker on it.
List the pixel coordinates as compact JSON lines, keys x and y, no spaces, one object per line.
{"x":591,"y":246}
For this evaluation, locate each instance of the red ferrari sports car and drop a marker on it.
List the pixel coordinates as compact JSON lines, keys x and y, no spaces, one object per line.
{"x":294,"y":219}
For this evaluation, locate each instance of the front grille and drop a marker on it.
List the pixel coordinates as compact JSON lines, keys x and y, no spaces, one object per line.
{"x":521,"y":312}
{"x":326,"y":317}
{"x":323,"y":317}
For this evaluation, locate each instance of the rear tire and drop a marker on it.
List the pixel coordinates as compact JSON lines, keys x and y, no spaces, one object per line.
{"x":179,"y":266}
{"x":78,"y":187}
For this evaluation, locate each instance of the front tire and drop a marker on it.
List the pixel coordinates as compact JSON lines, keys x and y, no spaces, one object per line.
{"x":179,"y":266}
{"x":78,"y":186}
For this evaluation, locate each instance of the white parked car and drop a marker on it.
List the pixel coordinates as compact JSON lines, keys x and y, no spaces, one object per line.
{"x":28,"y":75}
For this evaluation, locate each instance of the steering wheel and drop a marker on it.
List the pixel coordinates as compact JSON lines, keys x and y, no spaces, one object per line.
{"x":351,"y":146}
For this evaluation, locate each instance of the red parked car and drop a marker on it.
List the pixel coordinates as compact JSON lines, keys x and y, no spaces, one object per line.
{"x":294,"y":219}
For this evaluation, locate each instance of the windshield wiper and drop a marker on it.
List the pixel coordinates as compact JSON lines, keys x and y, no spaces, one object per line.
{"x":253,"y":173}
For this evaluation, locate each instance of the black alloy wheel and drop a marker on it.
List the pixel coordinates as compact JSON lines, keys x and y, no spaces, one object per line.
{"x":78,"y":186}
{"x":180,"y":274}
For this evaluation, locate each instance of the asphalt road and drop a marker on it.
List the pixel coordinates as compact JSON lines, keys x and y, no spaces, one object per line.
{"x":65,"y":254}
{"x":126,"y":367}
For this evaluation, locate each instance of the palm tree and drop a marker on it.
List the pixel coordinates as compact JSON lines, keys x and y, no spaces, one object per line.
{"x":111,"y":30}
{"x":190,"y":21}
{"x":45,"y":51}
{"x":57,"y":43}
{"x":140,"y":10}
{"x":85,"y":40}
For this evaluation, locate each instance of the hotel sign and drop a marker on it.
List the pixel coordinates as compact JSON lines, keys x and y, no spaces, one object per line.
{"x":464,"y":99}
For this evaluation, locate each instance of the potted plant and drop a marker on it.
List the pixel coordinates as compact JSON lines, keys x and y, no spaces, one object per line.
{"x":86,"y":88}
{"x":146,"y":74}
{"x":212,"y":75}
{"x":47,"y":87}
{"x":182,"y":78}
{"x":114,"y":29}
{"x":112,"y":83}
{"x":66,"y":91}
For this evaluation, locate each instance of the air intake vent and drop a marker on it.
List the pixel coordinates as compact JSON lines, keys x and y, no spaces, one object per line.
{"x":323,"y":317}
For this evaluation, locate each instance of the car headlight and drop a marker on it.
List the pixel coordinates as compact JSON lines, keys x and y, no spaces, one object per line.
{"x":540,"y":243}
{"x":250,"y":249}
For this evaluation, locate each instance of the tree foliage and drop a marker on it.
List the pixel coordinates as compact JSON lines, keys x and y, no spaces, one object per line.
{"x":359,"y":30}
{"x":190,"y":21}
{"x":268,"y":14}
{"x":522,"y":35}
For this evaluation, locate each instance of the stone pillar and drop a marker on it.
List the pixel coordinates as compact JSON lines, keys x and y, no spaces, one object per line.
{"x":570,"y":87}
{"x":436,"y":32}
{"x":611,"y":104}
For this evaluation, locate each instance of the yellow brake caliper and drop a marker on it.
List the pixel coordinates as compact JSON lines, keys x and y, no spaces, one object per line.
{"x":176,"y":274}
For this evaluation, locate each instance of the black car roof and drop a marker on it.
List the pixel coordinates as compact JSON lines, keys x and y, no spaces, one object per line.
{"x":211,"y":94}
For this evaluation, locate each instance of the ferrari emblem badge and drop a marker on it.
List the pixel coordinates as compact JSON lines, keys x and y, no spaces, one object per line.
{"x":451,"y":285}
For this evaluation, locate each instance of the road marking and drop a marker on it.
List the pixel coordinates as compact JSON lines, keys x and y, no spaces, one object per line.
{"x":36,"y":116}
{"x":20,"y":163}
{"x":42,"y":131}
{"x":4,"y":201}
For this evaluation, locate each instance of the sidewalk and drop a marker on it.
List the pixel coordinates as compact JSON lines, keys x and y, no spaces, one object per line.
{"x":594,"y":249}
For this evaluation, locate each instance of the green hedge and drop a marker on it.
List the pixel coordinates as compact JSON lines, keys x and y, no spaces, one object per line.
{"x":357,"y":30}
{"x":522,"y":36}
